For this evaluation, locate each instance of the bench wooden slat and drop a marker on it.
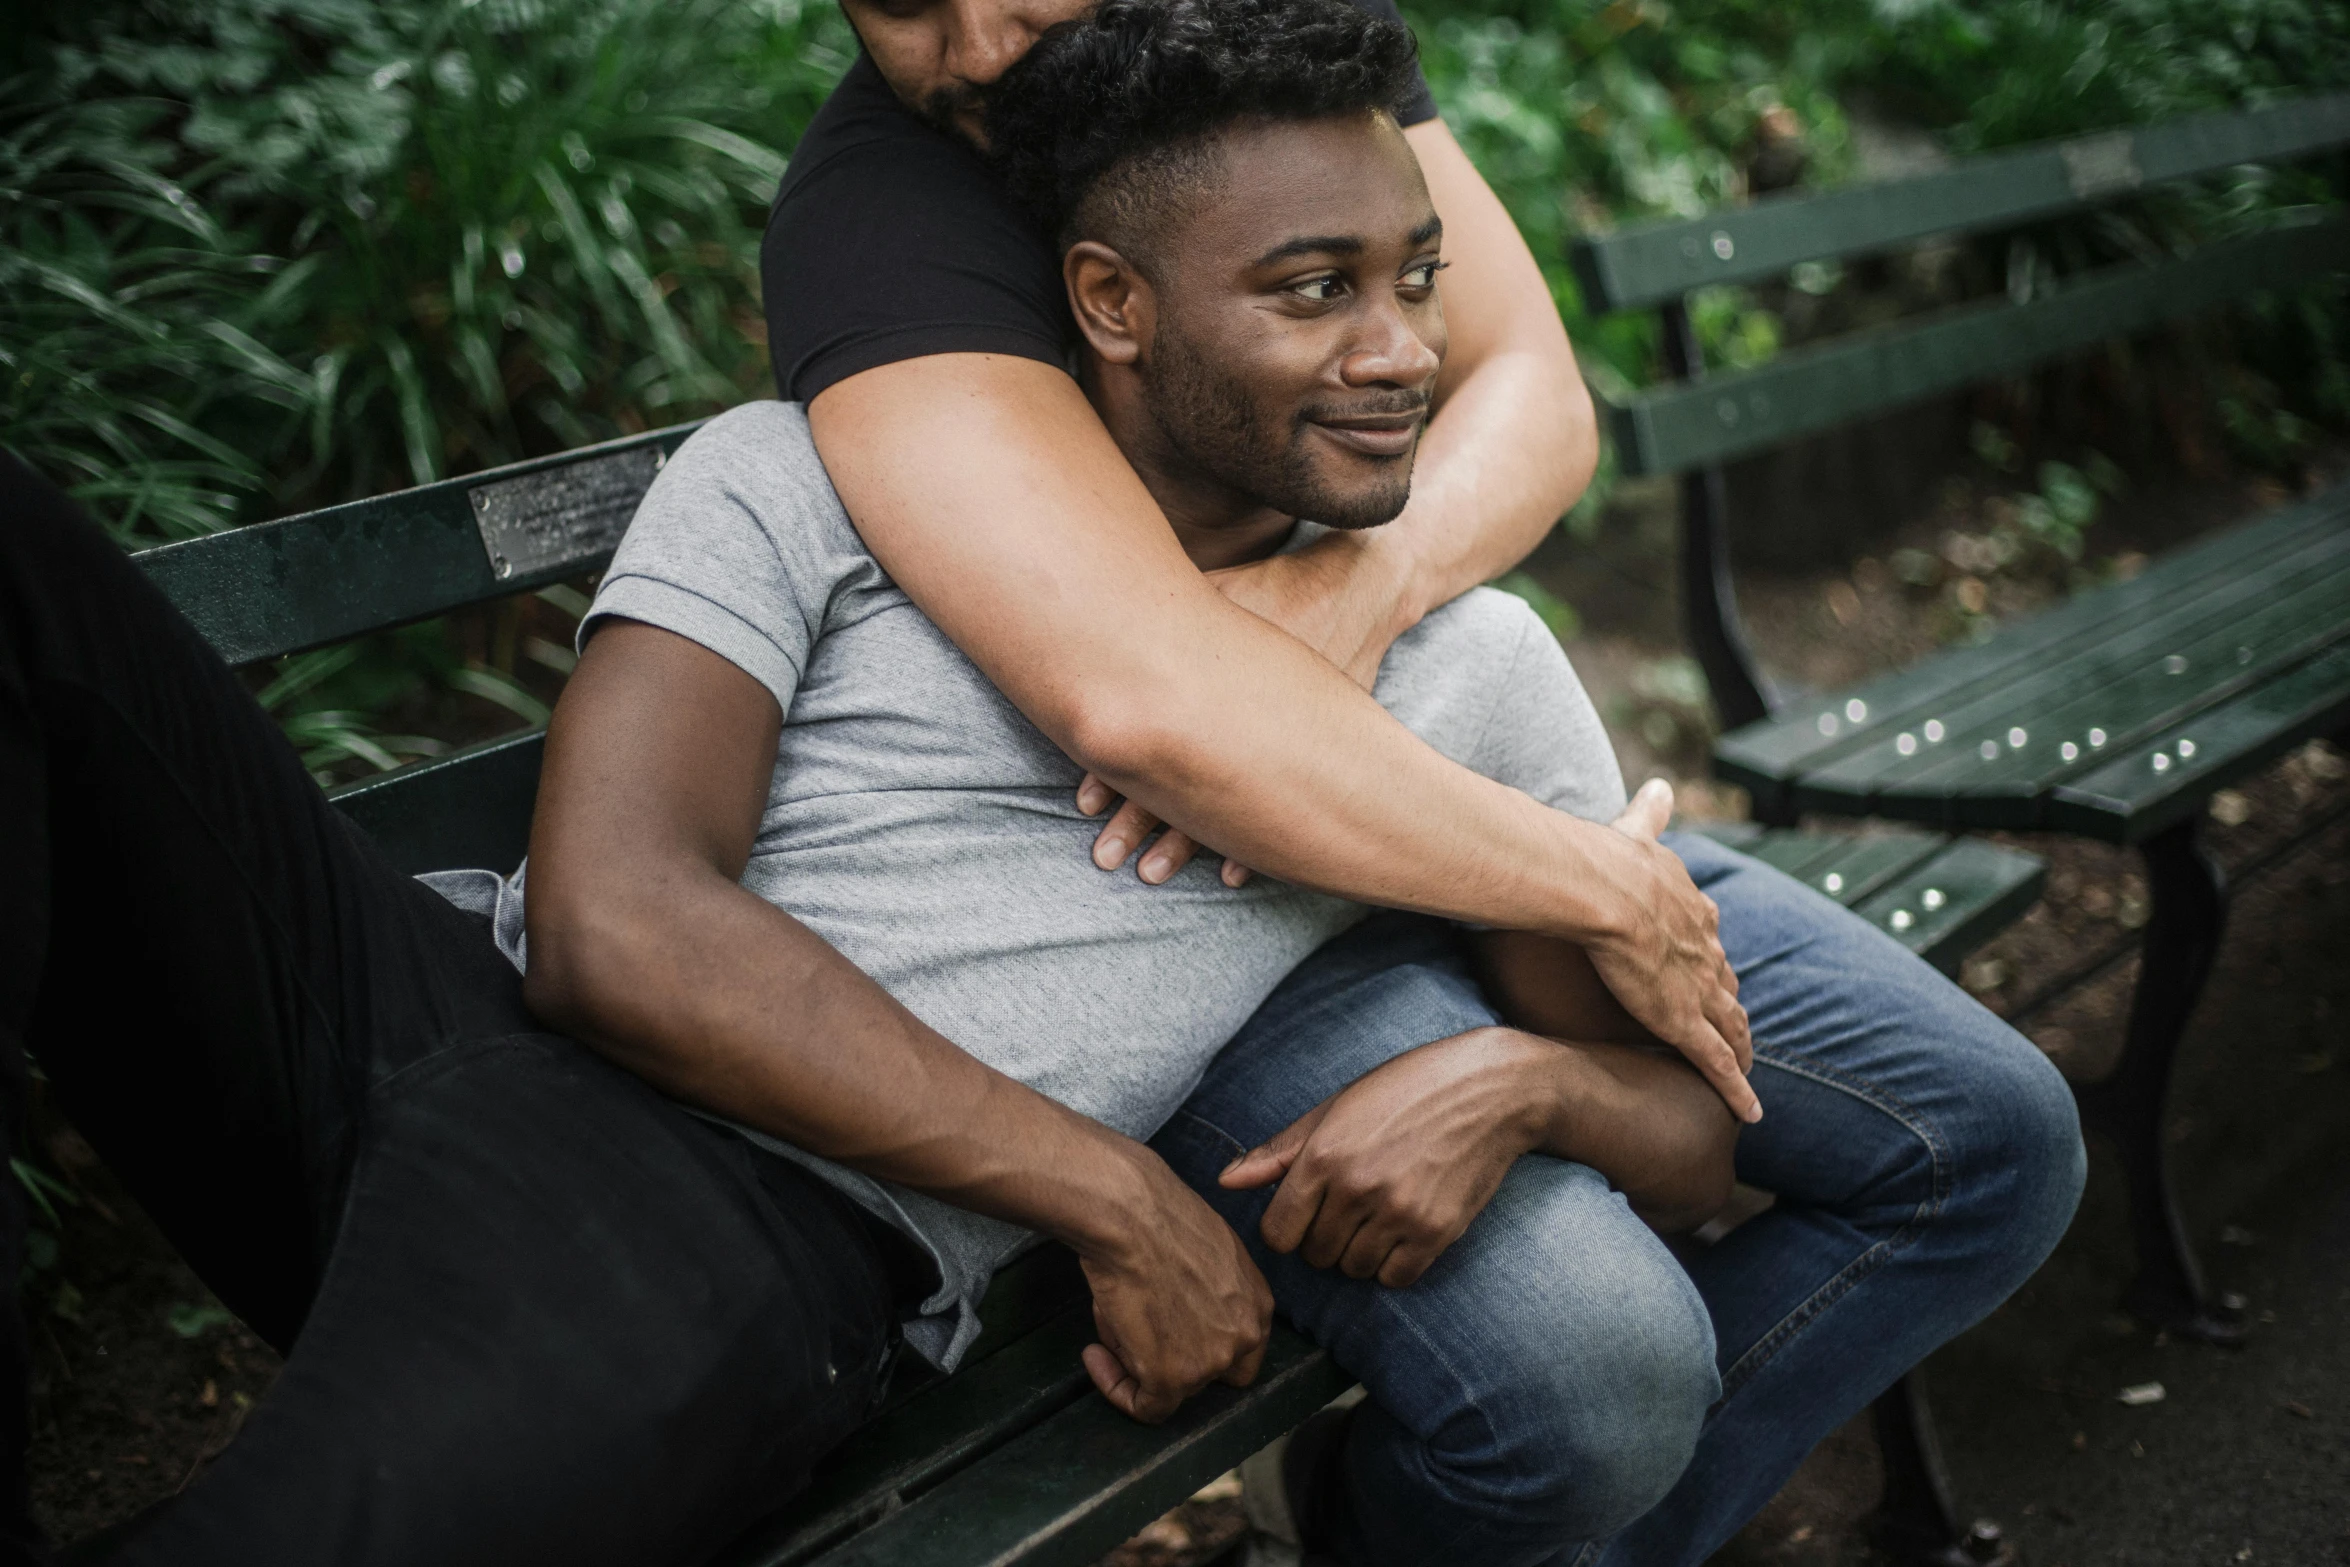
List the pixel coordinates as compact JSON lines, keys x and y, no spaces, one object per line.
{"x":1855,"y":866}
{"x":1650,"y":263}
{"x":327,"y":576}
{"x":2002,"y":750}
{"x":1954,"y":902}
{"x":1697,"y":424}
{"x":2094,"y":706}
{"x":956,"y":1422}
{"x":1794,"y":853}
{"x":1766,"y":757}
{"x":1071,"y":1488}
{"x":469,"y":808}
{"x":2129,"y":799}
{"x":1979,"y":887}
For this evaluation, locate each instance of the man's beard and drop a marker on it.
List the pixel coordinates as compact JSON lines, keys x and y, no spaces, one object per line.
{"x":1212,"y":423}
{"x":944,"y":106}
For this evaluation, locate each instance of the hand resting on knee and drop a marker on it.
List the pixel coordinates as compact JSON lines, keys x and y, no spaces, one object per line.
{"x":1382,"y":1176}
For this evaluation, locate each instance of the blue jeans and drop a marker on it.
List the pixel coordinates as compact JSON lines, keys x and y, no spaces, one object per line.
{"x":1559,"y":1388}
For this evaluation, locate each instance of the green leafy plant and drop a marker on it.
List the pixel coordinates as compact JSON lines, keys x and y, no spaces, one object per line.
{"x":264,"y":254}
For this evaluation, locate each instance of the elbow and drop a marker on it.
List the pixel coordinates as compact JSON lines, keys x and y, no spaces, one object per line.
{"x":1577,"y":443}
{"x":578,"y":968}
{"x":1126,"y":737}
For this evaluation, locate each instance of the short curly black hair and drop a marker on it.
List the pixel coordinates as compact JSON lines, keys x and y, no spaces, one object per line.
{"x":1105,"y":124}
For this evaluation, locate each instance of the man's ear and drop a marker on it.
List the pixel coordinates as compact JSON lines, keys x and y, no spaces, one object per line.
{"x":1112,"y":300}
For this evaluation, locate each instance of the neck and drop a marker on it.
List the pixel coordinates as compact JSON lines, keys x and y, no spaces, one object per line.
{"x":1216,"y":524}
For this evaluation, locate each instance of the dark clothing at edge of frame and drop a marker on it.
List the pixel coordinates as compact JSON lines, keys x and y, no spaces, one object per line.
{"x":890,"y":239}
{"x":533,"y":1309}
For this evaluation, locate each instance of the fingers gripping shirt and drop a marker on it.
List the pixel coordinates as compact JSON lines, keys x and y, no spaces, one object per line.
{"x":917,"y":822}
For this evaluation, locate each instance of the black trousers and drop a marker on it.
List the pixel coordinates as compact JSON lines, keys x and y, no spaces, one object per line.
{"x":533,"y":1311}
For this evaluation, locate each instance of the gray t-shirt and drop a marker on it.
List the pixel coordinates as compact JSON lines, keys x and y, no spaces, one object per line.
{"x":918,"y":823}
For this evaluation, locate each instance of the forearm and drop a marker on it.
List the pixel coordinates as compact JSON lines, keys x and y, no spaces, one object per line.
{"x":991,"y":493}
{"x":1509,"y":451}
{"x":1549,"y":987}
{"x":732,"y":1006}
{"x":1514,"y":441}
{"x":1644,"y":1120}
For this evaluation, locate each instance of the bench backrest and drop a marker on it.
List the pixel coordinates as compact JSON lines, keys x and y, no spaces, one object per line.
{"x":1676,"y":428}
{"x":327,"y":576}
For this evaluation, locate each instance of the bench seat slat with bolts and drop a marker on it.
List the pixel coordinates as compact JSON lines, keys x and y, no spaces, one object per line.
{"x":2153,"y":785}
{"x":2277,"y":586}
{"x":2000,"y":756}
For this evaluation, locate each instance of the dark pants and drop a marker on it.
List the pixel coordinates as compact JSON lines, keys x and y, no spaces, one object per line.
{"x":532,"y":1310}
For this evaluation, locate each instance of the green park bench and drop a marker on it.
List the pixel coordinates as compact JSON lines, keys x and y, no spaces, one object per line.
{"x":2115,"y":716}
{"x":1011,"y":1459}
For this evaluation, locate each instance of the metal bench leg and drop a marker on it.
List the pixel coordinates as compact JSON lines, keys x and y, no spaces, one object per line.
{"x":1917,"y":1522}
{"x":1709,"y":599}
{"x":2130,"y":1105}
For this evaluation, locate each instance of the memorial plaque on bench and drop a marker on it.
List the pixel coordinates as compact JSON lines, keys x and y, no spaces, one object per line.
{"x":538,"y":521}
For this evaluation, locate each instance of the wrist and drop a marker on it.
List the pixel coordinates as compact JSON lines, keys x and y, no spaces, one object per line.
{"x":1594,"y":897}
{"x":1548,"y":1093}
{"x":1391,"y":575}
{"x":1119,"y":1187}
{"x":1527,"y":1084}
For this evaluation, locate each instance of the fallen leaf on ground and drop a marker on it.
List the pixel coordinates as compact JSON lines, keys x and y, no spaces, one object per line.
{"x":2294,"y":1406}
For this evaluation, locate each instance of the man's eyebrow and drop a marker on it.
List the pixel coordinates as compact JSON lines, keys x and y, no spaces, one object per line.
{"x":1312,"y":245}
{"x":1341,"y":244}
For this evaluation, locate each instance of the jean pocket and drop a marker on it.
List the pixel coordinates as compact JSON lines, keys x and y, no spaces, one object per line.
{"x":1196,"y":1149}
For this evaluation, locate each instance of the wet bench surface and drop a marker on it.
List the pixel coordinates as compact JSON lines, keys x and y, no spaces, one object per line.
{"x":2115,"y":716}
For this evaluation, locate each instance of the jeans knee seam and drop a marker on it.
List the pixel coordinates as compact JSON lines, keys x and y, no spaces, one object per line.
{"x":1852,"y":1273}
{"x":1438,"y":1358}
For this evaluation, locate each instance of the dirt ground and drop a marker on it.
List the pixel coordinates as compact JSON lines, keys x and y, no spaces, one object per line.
{"x":141,"y":1376}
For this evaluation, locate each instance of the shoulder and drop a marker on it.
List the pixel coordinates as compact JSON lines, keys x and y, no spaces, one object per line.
{"x":751,"y":447}
{"x":752,"y":473}
{"x":1483,"y":622}
{"x":1440,"y":677}
{"x":892,"y":239}
{"x":860,"y":115}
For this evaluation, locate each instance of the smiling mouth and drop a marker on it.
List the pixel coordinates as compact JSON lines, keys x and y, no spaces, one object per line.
{"x":1375,"y":435}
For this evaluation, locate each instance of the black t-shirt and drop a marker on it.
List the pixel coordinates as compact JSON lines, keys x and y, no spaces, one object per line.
{"x":891,"y":239}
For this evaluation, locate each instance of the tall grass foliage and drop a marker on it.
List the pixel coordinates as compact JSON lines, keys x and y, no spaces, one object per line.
{"x":258,"y":255}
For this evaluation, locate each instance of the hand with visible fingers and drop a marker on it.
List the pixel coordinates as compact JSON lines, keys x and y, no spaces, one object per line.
{"x":1663,"y":958}
{"x":1378,"y":1179}
{"x":1129,"y":825}
{"x":1176,"y":1300}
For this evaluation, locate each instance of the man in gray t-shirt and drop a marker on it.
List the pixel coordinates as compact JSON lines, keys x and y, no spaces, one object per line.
{"x":928,"y":832}
{"x":931,"y":835}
